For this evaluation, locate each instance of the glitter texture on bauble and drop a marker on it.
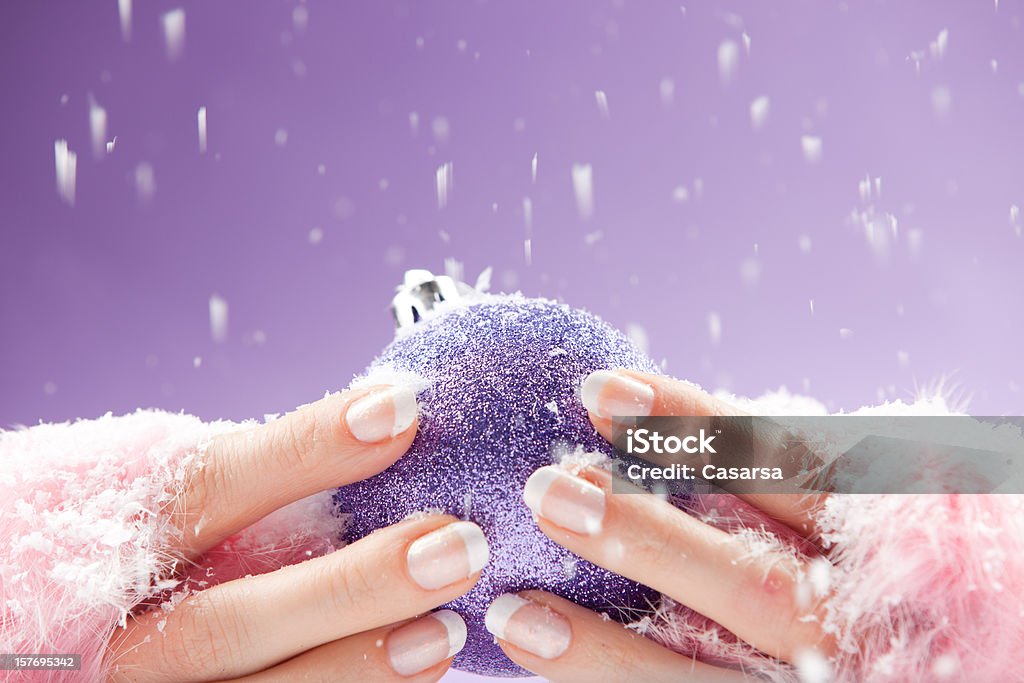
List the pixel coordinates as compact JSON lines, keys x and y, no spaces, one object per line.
{"x":499,"y":379}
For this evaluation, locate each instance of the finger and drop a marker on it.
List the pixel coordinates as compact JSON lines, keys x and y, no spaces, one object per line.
{"x":769,"y":598}
{"x":608,"y":394}
{"x":418,"y":651}
{"x":249,"y":624}
{"x":564,"y":643}
{"x":243,"y":476}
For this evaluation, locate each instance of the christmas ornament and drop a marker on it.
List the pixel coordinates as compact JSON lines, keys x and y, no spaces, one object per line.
{"x":501,"y":377}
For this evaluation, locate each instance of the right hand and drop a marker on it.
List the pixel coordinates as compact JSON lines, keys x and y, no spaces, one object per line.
{"x":356,"y":614}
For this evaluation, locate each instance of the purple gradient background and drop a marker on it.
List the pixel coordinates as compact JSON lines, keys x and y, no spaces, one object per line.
{"x":103,"y":305}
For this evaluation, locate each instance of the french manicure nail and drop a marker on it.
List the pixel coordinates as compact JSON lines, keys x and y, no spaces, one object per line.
{"x":447,"y":555}
{"x":421,"y":644}
{"x":382,"y":414}
{"x":571,"y":502}
{"x":609,"y":394}
{"x":535,"y":628}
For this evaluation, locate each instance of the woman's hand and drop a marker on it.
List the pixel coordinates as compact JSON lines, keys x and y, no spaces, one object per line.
{"x":770,"y":599}
{"x":352,"y":615}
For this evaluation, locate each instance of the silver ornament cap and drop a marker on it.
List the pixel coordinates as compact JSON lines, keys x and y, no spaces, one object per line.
{"x":421,"y":292}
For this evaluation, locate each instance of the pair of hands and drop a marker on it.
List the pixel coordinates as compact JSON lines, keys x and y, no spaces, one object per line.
{"x":364,"y":612}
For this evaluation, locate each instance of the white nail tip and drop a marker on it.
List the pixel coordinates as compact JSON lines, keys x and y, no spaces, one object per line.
{"x":501,"y":611}
{"x":629,"y":398}
{"x":590,"y":392}
{"x":455,"y":627}
{"x":537,"y":487}
{"x":477,"y":550}
{"x":382,"y":414}
{"x":406,"y":409}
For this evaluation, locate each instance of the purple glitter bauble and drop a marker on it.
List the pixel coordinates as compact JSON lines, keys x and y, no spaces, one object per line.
{"x":502,"y":400}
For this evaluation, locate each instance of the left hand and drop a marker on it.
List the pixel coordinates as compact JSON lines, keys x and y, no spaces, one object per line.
{"x":767,"y":599}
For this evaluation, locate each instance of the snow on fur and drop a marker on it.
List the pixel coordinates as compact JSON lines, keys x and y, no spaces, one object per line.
{"x":84,"y":539}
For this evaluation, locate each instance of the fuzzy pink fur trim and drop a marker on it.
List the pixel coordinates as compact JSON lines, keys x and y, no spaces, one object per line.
{"x":925,"y":588}
{"x":83,"y":540}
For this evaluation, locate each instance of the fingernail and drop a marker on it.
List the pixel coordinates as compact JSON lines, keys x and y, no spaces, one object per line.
{"x":609,"y":394}
{"x":382,"y":414}
{"x":571,"y":502}
{"x":535,"y":628}
{"x":419,"y":645}
{"x":448,"y":555}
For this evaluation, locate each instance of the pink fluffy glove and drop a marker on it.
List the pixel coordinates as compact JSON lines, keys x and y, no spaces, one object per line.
{"x":83,"y":539}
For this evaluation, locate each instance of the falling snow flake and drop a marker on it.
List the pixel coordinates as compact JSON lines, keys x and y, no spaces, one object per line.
{"x":201,"y":123}
{"x":174,"y":33}
{"x":811,"y":146}
{"x":638,"y":335}
{"x":124,"y":13}
{"x":444,"y":177}
{"x":667,"y":90}
{"x":67,"y":165}
{"x":942,"y":100}
{"x":937,"y":48}
{"x":145,"y":182}
{"x":759,"y":111}
{"x":750,"y":271}
{"x":714,"y":327}
{"x":728,"y":60}
{"x":869,"y":190}
{"x":602,"y":103}
{"x":812,"y":667}
{"x":97,"y":128}
{"x":441,"y":128}
{"x":583,"y":188}
{"x":218,"y":318}
{"x":300,"y":18}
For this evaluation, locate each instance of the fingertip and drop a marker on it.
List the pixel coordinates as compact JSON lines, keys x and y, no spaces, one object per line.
{"x":381,"y":414}
{"x":614,"y":393}
{"x":531,"y":626}
{"x":622,"y":392}
{"x":449,"y":555}
{"x":426,"y":646}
